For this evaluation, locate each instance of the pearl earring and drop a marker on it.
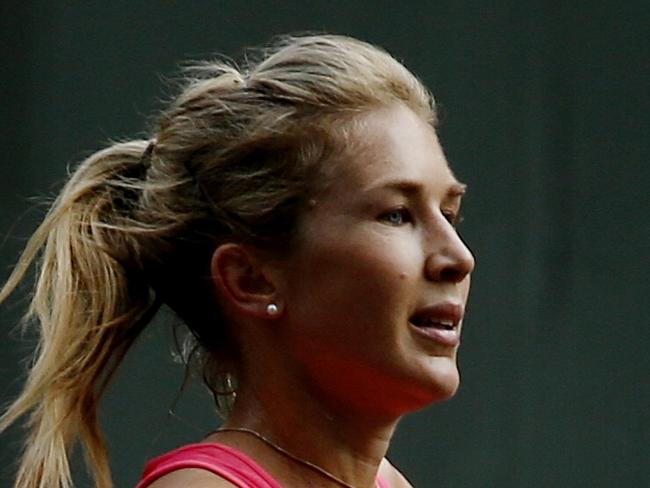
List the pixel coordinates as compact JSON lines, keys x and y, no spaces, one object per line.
{"x":272,"y":309}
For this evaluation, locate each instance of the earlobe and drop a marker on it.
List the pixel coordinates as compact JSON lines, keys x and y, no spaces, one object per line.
{"x":241,"y":282}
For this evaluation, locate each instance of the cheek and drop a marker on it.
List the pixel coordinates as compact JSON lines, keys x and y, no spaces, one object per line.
{"x":464,"y":287}
{"x":355,"y":278}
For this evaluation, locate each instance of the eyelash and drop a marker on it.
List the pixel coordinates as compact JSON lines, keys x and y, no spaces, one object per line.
{"x":453,"y":218}
{"x":405,"y":217}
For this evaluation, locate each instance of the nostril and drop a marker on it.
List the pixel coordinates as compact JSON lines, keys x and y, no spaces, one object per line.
{"x":452,"y":274}
{"x":442,"y":267}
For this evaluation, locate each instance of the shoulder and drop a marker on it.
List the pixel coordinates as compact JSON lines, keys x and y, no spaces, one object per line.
{"x":191,"y":478}
{"x":392,"y":476}
{"x":204,"y":465}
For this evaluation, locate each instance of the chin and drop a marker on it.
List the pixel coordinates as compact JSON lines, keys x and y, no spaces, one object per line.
{"x":440,"y":386}
{"x":450,"y":390}
{"x":446,"y":387}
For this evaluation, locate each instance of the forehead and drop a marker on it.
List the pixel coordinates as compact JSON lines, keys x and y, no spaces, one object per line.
{"x":392,"y":143}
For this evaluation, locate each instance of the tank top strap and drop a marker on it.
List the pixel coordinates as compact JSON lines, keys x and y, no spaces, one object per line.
{"x":224,"y":461}
{"x":381,"y":483}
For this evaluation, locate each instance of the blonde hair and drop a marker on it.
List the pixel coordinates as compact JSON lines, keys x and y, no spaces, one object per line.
{"x":234,"y":158}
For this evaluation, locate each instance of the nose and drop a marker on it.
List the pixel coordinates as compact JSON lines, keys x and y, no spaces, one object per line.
{"x":449,"y":259}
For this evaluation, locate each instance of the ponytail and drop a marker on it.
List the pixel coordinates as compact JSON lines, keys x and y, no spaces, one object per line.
{"x":91,"y":302}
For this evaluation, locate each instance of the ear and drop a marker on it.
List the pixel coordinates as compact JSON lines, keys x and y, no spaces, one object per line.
{"x":242,"y":281}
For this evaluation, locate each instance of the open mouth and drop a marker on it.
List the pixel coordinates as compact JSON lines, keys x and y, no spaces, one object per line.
{"x":439,"y":323}
{"x":429,"y":322}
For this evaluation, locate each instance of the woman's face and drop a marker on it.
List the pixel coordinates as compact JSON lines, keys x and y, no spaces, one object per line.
{"x":376,"y":288}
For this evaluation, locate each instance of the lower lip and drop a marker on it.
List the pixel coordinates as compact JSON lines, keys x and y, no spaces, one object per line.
{"x":441,"y":336}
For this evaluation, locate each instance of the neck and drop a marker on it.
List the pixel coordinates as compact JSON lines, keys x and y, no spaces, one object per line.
{"x":346,"y":444}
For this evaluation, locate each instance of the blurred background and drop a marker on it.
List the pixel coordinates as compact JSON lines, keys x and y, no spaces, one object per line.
{"x":545,"y":110}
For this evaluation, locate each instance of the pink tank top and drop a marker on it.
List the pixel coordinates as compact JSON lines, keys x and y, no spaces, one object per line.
{"x":224,"y":461}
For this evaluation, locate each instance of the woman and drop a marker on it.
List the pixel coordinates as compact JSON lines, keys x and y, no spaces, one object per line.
{"x":299,"y":216}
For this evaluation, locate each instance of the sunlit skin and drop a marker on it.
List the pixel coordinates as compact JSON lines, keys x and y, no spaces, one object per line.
{"x":329,"y":377}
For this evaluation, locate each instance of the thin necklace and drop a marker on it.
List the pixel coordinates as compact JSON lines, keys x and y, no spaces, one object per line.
{"x":288,"y":454}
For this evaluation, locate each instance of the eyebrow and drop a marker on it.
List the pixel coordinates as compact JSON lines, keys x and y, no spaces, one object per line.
{"x":408,"y":187}
{"x":457,"y":189}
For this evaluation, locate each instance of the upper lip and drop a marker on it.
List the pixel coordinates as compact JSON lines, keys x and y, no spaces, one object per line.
{"x":445,"y":313}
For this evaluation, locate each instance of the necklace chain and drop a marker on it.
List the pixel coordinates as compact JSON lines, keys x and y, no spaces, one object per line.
{"x":283,"y":451}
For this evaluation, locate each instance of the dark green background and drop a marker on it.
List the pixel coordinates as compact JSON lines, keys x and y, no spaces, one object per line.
{"x":545,"y":114}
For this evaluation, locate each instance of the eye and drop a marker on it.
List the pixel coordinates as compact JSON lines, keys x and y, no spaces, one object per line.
{"x":454,"y":218}
{"x":396,"y":217}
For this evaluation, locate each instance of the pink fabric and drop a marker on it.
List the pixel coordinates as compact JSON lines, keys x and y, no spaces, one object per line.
{"x":381,"y":483}
{"x":221,"y":460}
{"x":230,"y":464}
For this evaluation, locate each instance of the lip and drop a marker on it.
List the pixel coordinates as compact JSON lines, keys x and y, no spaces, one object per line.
{"x":446,"y":312}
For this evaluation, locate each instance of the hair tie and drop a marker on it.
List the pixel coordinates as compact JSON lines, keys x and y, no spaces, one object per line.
{"x":145,"y":159}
